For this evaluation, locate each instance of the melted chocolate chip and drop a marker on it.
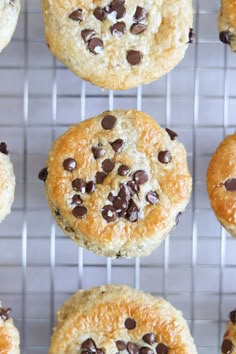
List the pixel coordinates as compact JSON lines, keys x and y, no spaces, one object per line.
{"x":57,"y":212}
{"x":108,"y":165}
{"x":137,"y":28}
{"x":108,"y":122}
{"x":118,"y":29}
{"x":124,"y":193}
{"x":145,"y":350}
{"x":3,"y":148}
{"x":76,"y":15}
{"x":173,"y":135}
{"x":89,"y":344}
{"x":98,"y":152}
{"x":226,"y":37}
{"x":79,"y":185}
{"x":5,"y":313}
{"x":100,"y":14}
{"x":111,"y":197}
{"x":134,"y":57}
{"x":95,"y":45}
{"x":90,"y":187}
{"x":140,"y":177}
{"x":132,"y":348}
{"x":232,"y":316}
{"x":152,"y":197}
{"x":230,"y":185}
{"x":164,"y":156}
{"x":123,"y":170}
{"x":117,"y":145}
{"x":133,"y":187}
{"x":140,"y":14}
{"x":227,"y":346}
{"x":79,"y":212}
{"x":99,"y":177}
{"x":121,"y":345}
{"x":69,"y":164}
{"x":130,"y":323}
{"x":120,"y":205}
{"x":118,"y":7}
{"x":43,"y":174}
{"x":76,"y":199}
{"x":132,"y":212}
{"x":109,"y":213}
{"x":150,"y":338}
{"x":191,"y":35}
{"x":87,"y":34}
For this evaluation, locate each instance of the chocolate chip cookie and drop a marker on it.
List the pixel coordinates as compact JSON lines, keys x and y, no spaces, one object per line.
{"x":116,"y":183}
{"x":221,"y":183}
{"x":118,"y":319}
{"x":229,"y":342}
{"x":227,"y":23}
{"x":7,"y":182}
{"x":118,"y":44}
{"x":9,"y":335}
{"x":9,"y":12}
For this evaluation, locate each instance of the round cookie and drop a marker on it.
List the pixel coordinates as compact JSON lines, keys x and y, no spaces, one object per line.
{"x":9,"y":335}
{"x":221,"y":183}
{"x":229,"y":342}
{"x":118,"y":44}
{"x":227,"y":23}
{"x":118,"y":319}
{"x":117,"y":183}
{"x":7,"y":182}
{"x":9,"y":12}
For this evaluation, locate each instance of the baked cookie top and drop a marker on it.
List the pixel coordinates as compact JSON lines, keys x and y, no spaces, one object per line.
{"x":116,"y":183}
{"x":118,"y":44}
{"x":9,"y":335}
{"x":229,"y":342}
{"x":118,"y":319}
{"x":9,"y":12}
{"x":227,"y":23}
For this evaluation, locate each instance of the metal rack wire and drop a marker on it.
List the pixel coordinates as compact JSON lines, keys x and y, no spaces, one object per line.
{"x":39,"y":267}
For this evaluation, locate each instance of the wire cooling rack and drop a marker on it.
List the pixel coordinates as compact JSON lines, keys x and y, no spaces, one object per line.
{"x":39,"y":267}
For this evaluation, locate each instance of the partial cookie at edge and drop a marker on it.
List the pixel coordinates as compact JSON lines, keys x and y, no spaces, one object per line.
{"x":9,"y":13}
{"x":227,"y":23}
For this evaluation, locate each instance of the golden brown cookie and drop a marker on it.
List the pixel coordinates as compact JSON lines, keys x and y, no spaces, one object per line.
{"x":118,"y":319}
{"x":9,"y":12}
{"x":229,"y":342}
{"x":117,"y":183}
{"x":227,"y":23}
{"x":221,"y":183}
{"x":118,"y":44}
{"x":9,"y":335}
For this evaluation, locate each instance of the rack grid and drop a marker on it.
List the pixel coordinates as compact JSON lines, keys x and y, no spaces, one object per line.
{"x":39,"y":267}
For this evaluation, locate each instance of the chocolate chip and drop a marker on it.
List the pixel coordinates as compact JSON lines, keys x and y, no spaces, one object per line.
{"x":124,"y":193}
{"x":3,"y":148}
{"x":232,"y":316}
{"x":109,"y":213}
{"x":57,"y":212}
{"x":140,"y":177}
{"x":177,"y":218}
{"x":164,"y":156}
{"x":121,"y":345}
{"x":134,"y":57}
{"x":173,"y":135}
{"x":43,"y":174}
{"x":140,"y":14}
{"x":118,"y":7}
{"x":130,"y":323}
{"x":111,"y":197}
{"x":79,"y":185}
{"x":226,"y":37}
{"x":150,"y":338}
{"x":227,"y":346}
{"x":89,"y":344}
{"x":161,"y":348}
{"x":120,"y":205}
{"x":145,"y":350}
{"x":137,"y":28}
{"x":152,"y":197}
{"x":100,"y":14}
{"x":108,"y":165}
{"x":90,"y":187}
{"x":230,"y":184}
{"x":133,"y":187}
{"x":69,"y":164}
{"x":99,"y":177}
{"x":99,"y":351}
{"x":95,"y":45}
{"x":76,"y":15}
{"x":108,"y":122}
{"x":5,"y":313}
{"x":132,"y":212}
{"x":118,"y":29}
{"x":79,"y":212}
{"x":98,"y":152}
{"x":191,"y":35}
{"x":87,"y":34}
{"x":76,"y":199}
{"x":123,"y":170}
{"x":132,"y":348}
{"x":117,"y":145}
